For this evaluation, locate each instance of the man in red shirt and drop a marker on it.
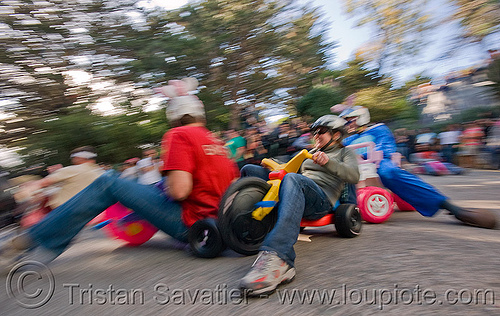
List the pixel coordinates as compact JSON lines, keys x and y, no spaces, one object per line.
{"x":197,"y":173}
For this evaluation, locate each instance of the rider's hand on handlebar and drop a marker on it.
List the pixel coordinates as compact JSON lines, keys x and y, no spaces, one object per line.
{"x":320,"y":158}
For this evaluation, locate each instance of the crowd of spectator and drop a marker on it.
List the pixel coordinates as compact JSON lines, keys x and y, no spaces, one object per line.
{"x":259,"y":141}
{"x":474,"y":144}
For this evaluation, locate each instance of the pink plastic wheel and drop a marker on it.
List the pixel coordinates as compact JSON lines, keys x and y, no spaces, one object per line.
{"x":402,"y":205}
{"x":126,"y":226}
{"x":375,"y":204}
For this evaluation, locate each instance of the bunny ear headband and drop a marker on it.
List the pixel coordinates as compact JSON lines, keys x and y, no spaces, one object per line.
{"x":177,"y":88}
{"x":181,"y":102}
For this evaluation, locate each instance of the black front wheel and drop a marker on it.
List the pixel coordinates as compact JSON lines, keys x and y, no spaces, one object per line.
{"x":240,"y":231}
{"x":348,"y":220}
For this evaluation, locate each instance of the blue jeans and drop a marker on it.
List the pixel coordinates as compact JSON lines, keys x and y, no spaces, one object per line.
{"x":299,"y":197}
{"x":55,"y":232}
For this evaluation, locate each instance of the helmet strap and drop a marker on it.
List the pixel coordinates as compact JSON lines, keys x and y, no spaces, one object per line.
{"x":360,"y":129}
{"x":327,"y":144}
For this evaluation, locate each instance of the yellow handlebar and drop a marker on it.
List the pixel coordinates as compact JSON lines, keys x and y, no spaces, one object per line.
{"x":271,"y":164}
{"x":291,"y":166}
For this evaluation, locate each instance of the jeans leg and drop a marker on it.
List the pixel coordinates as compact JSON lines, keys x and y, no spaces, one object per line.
{"x":425,"y":198}
{"x":255,"y":171}
{"x":300,"y":197}
{"x":349,"y":194}
{"x":60,"y":226}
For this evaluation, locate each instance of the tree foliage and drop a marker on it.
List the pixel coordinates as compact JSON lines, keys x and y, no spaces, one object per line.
{"x":242,"y":51}
{"x":399,"y":29}
{"x":47,"y":46}
{"x":372,"y":91}
{"x":318,"y":100}
{"x":478,"y":19}
{"x":357,"y":75}
{"x":116,"y":138}
{"x":384,"y":104}
{"x":401,"y":26}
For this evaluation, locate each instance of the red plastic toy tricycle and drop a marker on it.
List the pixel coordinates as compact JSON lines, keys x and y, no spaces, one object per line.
{"x":375,"y":203}
{"x":247,"y":211}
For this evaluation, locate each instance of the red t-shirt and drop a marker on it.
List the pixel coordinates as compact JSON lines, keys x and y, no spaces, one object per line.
{"x":195,"y":150}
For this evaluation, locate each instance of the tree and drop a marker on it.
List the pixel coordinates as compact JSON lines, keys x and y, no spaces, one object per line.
{"x":478,"y":19}
{"x":415,"y":82}
{"x":384,"y":104}
{"x":399,"y":29}
{"x":245,"y":54}
{"x":242,"y":57}
{"x":318,"y":101}
{"x":358,"y":76}
{"x":45,"y":43}
{"x":116,"y":138}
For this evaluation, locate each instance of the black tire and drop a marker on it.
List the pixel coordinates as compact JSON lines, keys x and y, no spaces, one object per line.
{"x":239,"y":230}
{"x":205,"y":239}
{"x":348,"y":220}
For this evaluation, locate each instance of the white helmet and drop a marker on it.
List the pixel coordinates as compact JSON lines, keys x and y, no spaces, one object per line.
{"x":361,"y":114}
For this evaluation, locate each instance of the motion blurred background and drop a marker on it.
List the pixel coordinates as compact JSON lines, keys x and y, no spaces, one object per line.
{"x":82,"y":72}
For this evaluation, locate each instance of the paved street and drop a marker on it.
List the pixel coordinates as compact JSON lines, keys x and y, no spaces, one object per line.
{"x":409,"y":265}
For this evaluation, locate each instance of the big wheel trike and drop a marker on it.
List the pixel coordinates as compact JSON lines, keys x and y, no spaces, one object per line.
{"x":248,"y":209}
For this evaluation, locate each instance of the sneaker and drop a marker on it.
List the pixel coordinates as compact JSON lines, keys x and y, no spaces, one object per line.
{"x":268,"y":271}
{"x":477,"y":217}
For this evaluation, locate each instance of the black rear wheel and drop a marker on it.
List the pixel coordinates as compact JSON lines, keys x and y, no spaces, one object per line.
{"x":205,"y":239}
{"x":348,"y":220}
{"x":240,"y":231}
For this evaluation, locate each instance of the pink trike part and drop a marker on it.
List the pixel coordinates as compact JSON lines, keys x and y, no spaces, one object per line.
{"x":375,"y":204}
{"x":134,"y":232}
{"x":402,"y":205}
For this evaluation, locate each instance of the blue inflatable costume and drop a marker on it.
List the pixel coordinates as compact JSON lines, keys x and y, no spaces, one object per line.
{"x":426,"y":199}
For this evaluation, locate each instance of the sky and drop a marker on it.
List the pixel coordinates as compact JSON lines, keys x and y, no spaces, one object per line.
{"x":349,"y":38}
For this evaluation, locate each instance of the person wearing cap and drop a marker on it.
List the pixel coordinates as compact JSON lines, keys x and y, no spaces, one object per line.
{"x":72,"y":179}
{"x":310,"y":194}
{"x":425,"y":198}
{"x":197,"y":170}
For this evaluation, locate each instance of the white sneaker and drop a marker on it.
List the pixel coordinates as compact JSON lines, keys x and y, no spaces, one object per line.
{"x":268,"y":271}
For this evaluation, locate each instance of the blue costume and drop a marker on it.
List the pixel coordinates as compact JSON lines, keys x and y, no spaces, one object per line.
{"x":422,"y":196}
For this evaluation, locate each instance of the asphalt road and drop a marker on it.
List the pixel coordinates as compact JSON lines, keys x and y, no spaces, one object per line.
{"x":409,"y":265}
